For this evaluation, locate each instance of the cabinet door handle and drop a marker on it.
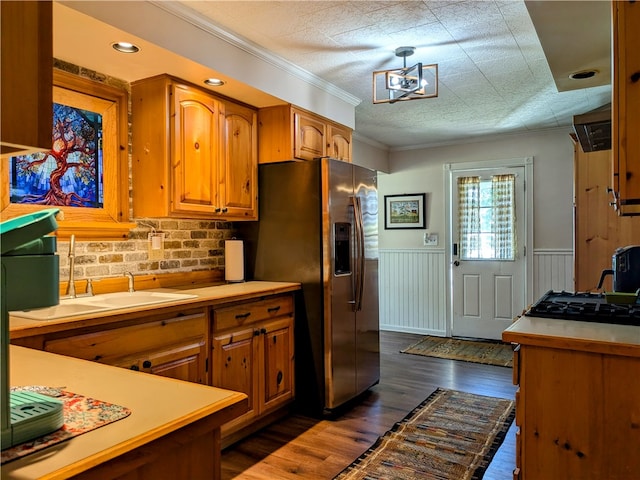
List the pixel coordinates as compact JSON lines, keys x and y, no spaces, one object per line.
{"x":263,"y":331}
{"x":273,"y":309}
{"x":256,"y":333}
{"x":135,"y":367}
{"x":217,"y":210}
{"x":225,"y":210}
{"x":243,"y":316}
{"x":146,"y":364}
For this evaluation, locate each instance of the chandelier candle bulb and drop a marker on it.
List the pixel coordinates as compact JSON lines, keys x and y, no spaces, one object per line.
{"x":234,"y":261}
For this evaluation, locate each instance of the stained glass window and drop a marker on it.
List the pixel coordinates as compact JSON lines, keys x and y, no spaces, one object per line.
{"x":71,"y":173}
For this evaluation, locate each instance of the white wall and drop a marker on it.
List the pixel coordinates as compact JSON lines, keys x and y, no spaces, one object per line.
{"x":417,"y":171}
{"x":370,"y":154}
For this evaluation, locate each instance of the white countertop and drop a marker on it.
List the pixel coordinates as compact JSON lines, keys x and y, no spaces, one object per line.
{"x":158,"y":406}
{"x":571,"y":334}
{"x":205,"y":295}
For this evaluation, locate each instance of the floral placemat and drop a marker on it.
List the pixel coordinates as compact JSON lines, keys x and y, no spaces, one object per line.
{"x":81,"y":414}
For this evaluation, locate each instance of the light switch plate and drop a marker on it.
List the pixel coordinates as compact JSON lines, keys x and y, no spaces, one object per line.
{"x":430,"y":239}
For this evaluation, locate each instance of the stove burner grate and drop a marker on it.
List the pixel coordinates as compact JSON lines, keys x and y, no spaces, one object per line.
{"x":584,"y":306}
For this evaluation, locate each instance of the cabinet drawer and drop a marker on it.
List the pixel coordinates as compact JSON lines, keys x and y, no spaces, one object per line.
{"x":110,"y":346}
{"x":251,"y":312}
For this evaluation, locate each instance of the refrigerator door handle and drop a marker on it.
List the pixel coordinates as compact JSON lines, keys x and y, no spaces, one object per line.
{"x":360,"y":260}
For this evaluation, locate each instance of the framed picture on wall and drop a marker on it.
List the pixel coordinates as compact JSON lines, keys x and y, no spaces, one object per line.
{"x":404,"y":211}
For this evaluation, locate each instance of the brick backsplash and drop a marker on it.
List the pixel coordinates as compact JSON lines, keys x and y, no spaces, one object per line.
{"x":189,"y":245}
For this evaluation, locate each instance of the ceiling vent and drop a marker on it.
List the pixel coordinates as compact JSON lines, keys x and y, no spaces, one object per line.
{"x":594,"y":129}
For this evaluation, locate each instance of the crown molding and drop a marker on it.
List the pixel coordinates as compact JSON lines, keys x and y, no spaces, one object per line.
{"x":194,"y":18}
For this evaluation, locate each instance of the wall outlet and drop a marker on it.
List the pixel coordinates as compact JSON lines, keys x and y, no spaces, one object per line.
{"x":430,"y":239}
{"x":156,"y":246}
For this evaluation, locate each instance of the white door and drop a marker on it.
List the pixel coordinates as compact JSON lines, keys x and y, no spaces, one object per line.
{"x":488,"y":265}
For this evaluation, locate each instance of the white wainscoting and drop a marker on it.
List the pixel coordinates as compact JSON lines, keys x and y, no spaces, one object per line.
{"x":413,"y":294}
{"x":413,"y":291}
{"x":552,"y":270}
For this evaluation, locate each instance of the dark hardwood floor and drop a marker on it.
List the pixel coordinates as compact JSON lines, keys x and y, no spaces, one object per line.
{"x":300,"y":447}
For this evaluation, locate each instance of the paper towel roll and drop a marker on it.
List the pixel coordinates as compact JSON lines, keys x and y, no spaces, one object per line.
{"x":233,"y":261}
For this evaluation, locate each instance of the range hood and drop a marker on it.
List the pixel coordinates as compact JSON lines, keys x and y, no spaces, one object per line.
{"x":594,"y":129}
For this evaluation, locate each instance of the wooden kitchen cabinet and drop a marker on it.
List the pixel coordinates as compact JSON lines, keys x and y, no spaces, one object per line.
{"x":171,"y":345}
{"x":339,"y":146}
{"x":253,"y":352}
{"x":239,"y":177}
{"x":576,"y":412}
{"x":625,"y":126}
{"x":192,"y":159}
{"x":598,"y":229}
{"x":287,"y":133}
{"x":27,"y":76}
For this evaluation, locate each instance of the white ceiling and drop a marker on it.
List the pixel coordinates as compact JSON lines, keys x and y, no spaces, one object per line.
{"x":494,"y":76}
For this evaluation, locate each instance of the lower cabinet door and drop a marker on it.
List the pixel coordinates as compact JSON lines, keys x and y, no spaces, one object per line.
{"x":277,"y":349}
{"x":233,"y":368}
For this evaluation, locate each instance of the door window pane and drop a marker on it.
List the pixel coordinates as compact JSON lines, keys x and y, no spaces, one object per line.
{"x":487,"y":218}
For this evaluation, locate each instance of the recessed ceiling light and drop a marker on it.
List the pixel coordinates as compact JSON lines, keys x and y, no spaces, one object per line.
{"x":214,"y":82}
{"x":125,"y":47}
{"x":583,"y":74}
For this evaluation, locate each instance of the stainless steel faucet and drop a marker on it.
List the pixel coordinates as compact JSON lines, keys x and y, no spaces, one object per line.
{"x":131,"y":285}
{"x":71,"y":285}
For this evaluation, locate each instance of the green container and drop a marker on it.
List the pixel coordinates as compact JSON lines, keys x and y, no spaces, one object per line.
{"x":29,"y":279}
{"x":30,"y":266}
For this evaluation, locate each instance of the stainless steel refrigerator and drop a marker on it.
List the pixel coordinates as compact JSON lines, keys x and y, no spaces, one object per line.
{"x":319,"y":226}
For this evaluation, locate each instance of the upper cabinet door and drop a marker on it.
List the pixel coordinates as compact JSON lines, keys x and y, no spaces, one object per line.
{"x":339,"y":145}
{"x":239,"y":180}
{"x":626,"y":106}
{"x":310,"y":134}
{"x":196,"y":151}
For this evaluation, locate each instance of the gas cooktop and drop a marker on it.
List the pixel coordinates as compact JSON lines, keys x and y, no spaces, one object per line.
{"x":585,"y":307}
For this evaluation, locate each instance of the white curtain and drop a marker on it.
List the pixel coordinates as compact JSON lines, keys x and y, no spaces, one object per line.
{"x":504,"y":211}
{"x":469,"y":216}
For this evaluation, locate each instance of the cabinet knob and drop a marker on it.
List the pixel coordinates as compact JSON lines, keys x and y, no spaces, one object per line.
{"x":263,"y":331}
{"x":225,"y":210}
{"x":146,"y":364}
{"x":217,"y":210}
{"x":135,"y":367}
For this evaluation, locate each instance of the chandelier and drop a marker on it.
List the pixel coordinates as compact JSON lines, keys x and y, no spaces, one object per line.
{"x":406,"y":83}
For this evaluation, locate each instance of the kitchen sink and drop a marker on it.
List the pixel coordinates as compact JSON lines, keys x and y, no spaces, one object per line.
{"x":59,"y":311}
{"x":69,"y":307}
{"x":134,"y":299}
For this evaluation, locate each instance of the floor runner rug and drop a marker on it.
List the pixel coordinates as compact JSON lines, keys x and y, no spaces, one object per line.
{"x":451,"y":435}
{"x":476,"y":351}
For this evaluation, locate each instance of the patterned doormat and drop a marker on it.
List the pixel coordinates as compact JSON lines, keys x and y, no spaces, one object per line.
{"x":451,"y":435}
{"x":476,"y":351}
